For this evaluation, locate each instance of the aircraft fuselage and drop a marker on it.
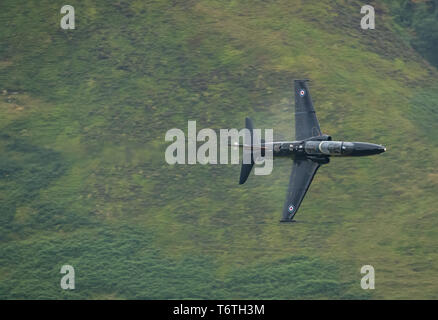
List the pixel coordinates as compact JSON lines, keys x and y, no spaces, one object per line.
{"x":322,"y":149}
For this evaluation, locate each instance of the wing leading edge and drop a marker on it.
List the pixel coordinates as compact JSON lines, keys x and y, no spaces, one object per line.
{"x":301,"y":177}
{"x":306,"y":122}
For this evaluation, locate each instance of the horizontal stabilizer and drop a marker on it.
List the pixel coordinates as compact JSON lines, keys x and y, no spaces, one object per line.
{"x":245,"y":171}
{"x":247,"y":152}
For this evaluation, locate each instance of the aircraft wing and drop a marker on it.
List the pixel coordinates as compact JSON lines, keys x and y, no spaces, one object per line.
{"x":306,"y":123}
{"x":301,"y":177}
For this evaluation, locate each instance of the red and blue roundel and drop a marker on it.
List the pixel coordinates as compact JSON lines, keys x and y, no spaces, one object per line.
{"x":302,"y":93}
{"x":290,"y":208}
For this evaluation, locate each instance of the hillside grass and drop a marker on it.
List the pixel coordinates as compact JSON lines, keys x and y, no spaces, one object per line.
{"x":83,"y":180}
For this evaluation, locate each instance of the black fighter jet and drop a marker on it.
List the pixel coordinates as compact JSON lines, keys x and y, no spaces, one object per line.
{"x":310,"y":150}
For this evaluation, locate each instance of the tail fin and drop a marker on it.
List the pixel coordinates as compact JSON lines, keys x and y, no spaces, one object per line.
{"x":247,"y":167}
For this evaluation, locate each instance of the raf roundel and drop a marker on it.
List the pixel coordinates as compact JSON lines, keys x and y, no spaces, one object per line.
{"x":302,"y":93}
{"x":290,"y":208}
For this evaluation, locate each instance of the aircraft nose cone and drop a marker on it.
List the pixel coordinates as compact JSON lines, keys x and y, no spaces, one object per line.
{"x":367,"y":149}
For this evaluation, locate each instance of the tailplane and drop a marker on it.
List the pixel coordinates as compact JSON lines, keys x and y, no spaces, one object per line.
{"x":247,"y":153}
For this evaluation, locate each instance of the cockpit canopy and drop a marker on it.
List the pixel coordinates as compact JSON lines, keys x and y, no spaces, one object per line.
{"x":328,"y":147}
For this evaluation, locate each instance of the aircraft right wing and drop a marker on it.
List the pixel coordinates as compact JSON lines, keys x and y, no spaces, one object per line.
{"x":306,"y":122}
{"x":303,"y":171}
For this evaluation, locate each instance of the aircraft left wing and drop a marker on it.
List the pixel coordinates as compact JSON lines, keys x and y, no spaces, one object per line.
{"x":303,"y":171}
{"x":306,"y":122}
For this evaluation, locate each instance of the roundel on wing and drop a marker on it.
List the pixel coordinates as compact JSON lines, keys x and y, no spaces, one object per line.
{"x":291,"y":208}
{"x":302,"y":93}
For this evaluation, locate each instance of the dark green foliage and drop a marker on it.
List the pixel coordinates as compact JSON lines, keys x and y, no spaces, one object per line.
{"x":83,"y":180}
{"x":25,"y":170}
{"x":421,"y":18}
{"x":138,"y":269}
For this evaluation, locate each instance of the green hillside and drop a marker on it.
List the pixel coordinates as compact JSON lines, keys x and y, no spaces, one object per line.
{"x":83,"y":180}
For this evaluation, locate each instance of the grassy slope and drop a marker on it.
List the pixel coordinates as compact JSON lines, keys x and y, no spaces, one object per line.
{"x":83,"y":179}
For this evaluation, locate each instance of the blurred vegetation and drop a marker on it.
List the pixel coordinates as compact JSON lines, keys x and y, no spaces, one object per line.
{"x":83,"y":181}
{"x":420,"y":20}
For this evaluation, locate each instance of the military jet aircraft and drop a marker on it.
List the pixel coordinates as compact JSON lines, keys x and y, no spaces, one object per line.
{"x":310,"y":150}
